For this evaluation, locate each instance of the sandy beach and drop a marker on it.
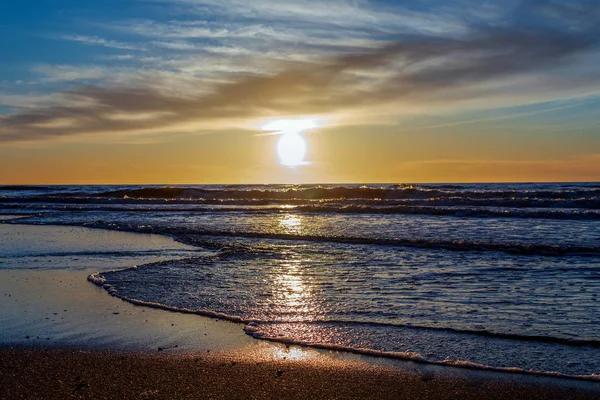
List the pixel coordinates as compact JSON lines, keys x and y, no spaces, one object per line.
{"x":53,"y":374}
{"x":63,"y":337}
{"x":300,"y":199}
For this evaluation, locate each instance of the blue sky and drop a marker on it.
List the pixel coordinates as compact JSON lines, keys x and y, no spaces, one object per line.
{"x":157,"y":70}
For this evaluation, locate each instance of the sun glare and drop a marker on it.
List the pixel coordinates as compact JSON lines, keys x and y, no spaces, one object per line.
{"x":291,"y":125}
{"x":291,"y":147}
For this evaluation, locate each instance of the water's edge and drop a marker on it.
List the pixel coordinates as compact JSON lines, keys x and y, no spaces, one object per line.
{"x":250,"y":328}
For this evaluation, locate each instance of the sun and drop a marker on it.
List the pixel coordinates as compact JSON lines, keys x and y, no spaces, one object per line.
{"x":291,"y":147}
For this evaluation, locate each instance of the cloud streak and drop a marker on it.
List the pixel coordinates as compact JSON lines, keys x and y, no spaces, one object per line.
{"x":98,"y":41}
{"x":541,"y":38}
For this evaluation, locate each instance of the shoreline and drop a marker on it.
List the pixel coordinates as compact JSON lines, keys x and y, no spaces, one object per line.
{"x":248,"y":328}
{"x":98,"y":331}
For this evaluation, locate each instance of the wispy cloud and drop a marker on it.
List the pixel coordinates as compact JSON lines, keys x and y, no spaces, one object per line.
{"x":119,"y":57}
{"x":342,"y":14}
{"x":420,"y":70}
{"x":98,"y":41}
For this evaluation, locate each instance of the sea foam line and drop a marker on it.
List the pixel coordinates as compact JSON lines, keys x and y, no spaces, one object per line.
{"x":252,"y":330}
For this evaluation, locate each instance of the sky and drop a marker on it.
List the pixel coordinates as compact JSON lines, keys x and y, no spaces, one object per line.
{"x":184,"y":91}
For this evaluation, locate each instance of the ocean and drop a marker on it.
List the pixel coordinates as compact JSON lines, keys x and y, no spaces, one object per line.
{"x":492,"y":276}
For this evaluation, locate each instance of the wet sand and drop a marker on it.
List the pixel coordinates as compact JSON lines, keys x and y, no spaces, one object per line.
{"x":47,"y":301}
{"x":63,"y":374}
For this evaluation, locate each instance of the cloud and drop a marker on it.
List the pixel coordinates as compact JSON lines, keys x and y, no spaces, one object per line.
{"x":339,"y":14}
{"x":304,"y":26}
{"x":422,"y":70}
{"x":256,"y":37}
{"x":98,"y":41}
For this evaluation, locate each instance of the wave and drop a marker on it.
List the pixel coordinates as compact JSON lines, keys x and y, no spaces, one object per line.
{"x":480,"y":333}
{"x":455,"y":245}
{"x":385,"y":197}
{"x":453,"y":211}
{"x":382,"y":203}
{"x":253,"y":328}
{"x":339,"y":192}
{"x":345,"y":192}
{"x":414,"y":357}
{"x":324,"y":192}
{"x":457,"y":211}
{"x":99,"y":279}
{"x":195,"y":237}
{"x":463,"y":212}
{"x":203,"y":237}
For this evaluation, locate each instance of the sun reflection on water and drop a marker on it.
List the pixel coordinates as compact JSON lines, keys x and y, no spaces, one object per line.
{"x":292,"y":291}
{"x":291,"y":224}
{"x":293,"y":294}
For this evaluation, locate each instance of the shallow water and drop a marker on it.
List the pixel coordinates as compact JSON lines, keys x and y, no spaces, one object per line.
{"x":506,"y":276}
{"x":47,"y":301}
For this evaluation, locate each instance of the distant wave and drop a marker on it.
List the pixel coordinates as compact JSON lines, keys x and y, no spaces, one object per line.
{"x":453,"y":211}
{"x":194,"y":237}
{"x":587,"y":197}
{"x":307,"y":192}
{"x":312,"y":193}
{"x":252,"y":208}
{"x":344,"y":192}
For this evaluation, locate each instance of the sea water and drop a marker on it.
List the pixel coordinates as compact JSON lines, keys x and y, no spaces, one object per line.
{"x":503,"y":276}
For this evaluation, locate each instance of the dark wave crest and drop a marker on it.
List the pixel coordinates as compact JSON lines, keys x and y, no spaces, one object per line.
{"x":453,"y":245}
{"x":349,"y":192}
{"x":325,"y":198}
{"x":327,"y":208}
{"x":312,"y":193}
{"x":197,"y":237}
{"x":459,"y":211}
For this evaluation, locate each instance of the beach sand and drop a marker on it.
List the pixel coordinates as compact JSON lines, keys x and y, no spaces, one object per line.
{"x":62,"y":337}
{"x":63,"y":374}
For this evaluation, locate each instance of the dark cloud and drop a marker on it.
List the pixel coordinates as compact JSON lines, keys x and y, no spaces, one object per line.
{"x":540,"y":36}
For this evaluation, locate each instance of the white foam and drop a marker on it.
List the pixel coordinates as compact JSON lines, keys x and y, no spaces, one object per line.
{"x":253,"y":330}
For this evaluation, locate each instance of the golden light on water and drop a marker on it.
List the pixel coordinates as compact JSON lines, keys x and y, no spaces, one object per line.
{"x":292,"y":290}
{"x":291,"y":224}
